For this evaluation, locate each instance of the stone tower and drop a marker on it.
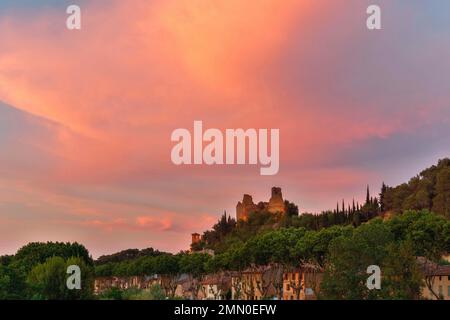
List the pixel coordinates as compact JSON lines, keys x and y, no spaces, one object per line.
{"x":196,"y":238}
{"x":247,"y":206}
{"x":276,"y":202}
{"x":244,"y":208}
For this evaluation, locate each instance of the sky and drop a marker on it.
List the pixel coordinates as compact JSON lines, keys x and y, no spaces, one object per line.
{"x":86,"y":116}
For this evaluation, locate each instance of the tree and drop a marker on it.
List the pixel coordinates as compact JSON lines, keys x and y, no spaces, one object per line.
{"x":87,"y":280}
{"x":104,"y":270}
{"x":194,"y":265}
{"x":357,"y":219}
{"x":126,"y":255}
{"x":12,"y":283}
{"x":271,"y":256}
{"x":35,"y":253}
{"x":428,"y":233}
{"x":237,"y":259}
{"x":211,"y":238}
{"x":168,"y":267}
{"x":441,"y":202}
{"x":313,"y":247}
{"x":368,"y":195}
{"x":349,"y":256}
{"x":428,"y":190}
{"x":291,"y":209}
{"x":47,"y":280}
{"x":402,"y":277}
{"x":384,"y":189}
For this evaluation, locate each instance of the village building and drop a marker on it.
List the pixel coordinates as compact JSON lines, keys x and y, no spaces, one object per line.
{"x":102,"y":284}
{"x":216,"y":287}
{"x":186,"y":288}
{"x":303,"y":283}
{"x":253,"y":284}
{"x":437,"y":280}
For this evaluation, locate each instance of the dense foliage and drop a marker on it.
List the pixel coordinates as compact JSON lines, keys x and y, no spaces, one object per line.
{"x":227,"y":231}
{"x":394,"y":246}
{"x":47,"y":281}
{"x":35,"y":271}
{"x":153,"y":293}
{"x":128,"y":254}
{"x":428,"y":190}
{"x":342,"y":252}
{"x":340,"y":243}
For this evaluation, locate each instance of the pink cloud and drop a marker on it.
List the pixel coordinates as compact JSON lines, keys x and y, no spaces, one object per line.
{"x":165,"y":223}
{"x":106,"y":100}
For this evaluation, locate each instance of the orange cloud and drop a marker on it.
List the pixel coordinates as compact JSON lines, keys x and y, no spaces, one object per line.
{"x":108,"y":97}
{"x":221,"y":43}
{"x":164,"y":223}
{"x":119,"y":87}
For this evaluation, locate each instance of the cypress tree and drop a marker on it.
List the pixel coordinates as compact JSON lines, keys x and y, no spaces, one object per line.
{"x":368,"y":195}
{"x":356,"y":219}
{"x":382,"y":197}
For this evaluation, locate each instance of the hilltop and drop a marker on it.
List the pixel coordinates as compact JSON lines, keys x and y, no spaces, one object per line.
{"x":274,"y":239}
{"x":429,"y":190}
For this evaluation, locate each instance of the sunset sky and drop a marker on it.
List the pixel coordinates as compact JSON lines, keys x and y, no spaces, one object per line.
{"x":86,"y":116}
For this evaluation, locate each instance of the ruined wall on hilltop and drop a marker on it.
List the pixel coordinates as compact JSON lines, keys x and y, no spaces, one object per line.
{"x":244,"y":208}
{"x":275,"y":205}
{"x":276,"y":202}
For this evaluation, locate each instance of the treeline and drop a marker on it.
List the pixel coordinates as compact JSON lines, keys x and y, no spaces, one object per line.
{"x":344,"y":214}
{"x":428,"y":190}
{"x":227,"y":231}
{"x":343,"y":253}
{"x":39,"y":271}
{"x":128,"y":254}
{"x":341,"y":242}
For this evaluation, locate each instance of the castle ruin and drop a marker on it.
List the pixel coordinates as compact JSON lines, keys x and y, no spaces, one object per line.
{"x":247,"y":206}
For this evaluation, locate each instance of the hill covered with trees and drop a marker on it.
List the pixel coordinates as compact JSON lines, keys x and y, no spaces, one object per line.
{"x":128,"y":254}
{"x":428,"y":190}
{"x":341,"y":253}
{"x":340,"y":242}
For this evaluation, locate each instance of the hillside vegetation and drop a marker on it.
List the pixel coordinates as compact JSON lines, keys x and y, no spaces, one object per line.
{"x":340,"y":242}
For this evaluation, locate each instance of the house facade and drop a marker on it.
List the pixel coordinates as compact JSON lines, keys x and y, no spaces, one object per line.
{"x":303,"y":283}
{"x":437,"y":280}
{"x":256,"y":284}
